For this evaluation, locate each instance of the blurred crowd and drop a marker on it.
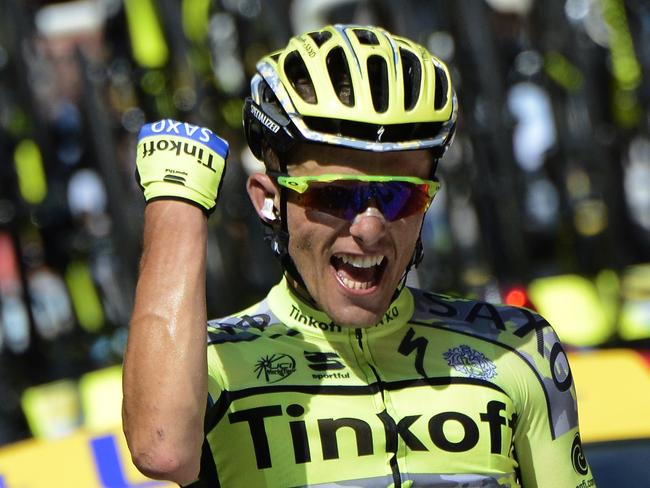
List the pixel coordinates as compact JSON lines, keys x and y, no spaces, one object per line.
{"x":549,"y":175}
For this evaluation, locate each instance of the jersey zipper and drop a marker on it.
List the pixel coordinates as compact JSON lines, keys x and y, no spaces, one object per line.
{"x":387,"y":420}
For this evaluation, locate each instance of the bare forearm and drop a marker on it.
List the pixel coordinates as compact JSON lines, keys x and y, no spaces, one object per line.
{"x":165,"y":371}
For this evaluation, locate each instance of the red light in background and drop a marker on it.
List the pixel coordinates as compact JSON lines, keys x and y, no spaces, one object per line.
{"x":516,"y":297}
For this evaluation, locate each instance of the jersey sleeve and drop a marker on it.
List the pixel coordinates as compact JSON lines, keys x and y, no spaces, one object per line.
{"x":547,"y":442}
{"x":220,"y":332}
{"x":215,"y":380}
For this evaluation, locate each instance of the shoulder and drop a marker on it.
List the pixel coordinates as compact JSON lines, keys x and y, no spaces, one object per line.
{"x":242,"y":326}
{"x":515,"y":328}
{"x":538,"y":369}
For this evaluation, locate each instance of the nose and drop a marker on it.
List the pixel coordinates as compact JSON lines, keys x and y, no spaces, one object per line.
{"x":369,"y":226}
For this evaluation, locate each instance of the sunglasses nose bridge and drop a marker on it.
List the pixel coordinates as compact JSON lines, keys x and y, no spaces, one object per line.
{"x":369,"y":202}
{"x":360,"y":199}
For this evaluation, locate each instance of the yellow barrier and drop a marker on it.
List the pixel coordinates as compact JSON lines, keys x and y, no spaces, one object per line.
{"x":81,"y":460}
{"x":613,"y":389}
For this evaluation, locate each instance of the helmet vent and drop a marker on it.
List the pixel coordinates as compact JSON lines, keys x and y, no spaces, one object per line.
{"x":412,"y":74}
{"x":296,"y":71}
{"x":366,"y":37}
{"x":442,"y":85}
{"x":378,"y":81}
{"x":320,"y":37}
{"x":339,"y":71}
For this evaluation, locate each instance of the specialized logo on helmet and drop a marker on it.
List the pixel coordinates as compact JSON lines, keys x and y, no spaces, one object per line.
{"x":264,"y":119}
{"x":380,"y":133}
{"x":275,"y":367}
{"x":578,"y":456}
{"x":470,"y":362}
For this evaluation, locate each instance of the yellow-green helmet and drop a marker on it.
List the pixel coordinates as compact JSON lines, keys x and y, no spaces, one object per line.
{"x":352,"y":86}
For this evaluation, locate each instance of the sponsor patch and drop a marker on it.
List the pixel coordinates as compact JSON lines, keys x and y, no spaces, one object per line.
{"x":275,"y":367}
{"x":172,"y":128}
{"x":470,"y":362}
{"x":324,"y":361}
{"x":578,"y":456}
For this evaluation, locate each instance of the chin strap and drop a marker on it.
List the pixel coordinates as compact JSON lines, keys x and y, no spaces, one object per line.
{"x":278,"y":239}
{"x":418,"y":252}
{"x":416,"y":259}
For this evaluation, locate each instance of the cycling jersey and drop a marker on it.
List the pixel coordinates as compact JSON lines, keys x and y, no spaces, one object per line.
{"x":442,"y":392}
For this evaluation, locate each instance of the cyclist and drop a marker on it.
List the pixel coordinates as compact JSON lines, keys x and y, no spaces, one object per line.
{"x":342,"y":375}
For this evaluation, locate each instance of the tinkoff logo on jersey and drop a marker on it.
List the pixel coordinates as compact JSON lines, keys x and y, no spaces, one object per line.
{"x":298,"y":315}
{"x":372,"y":432}
{"x":470,"y":362}
{"x":275,"y":367}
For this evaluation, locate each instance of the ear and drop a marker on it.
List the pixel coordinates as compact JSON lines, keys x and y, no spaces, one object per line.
{"x":264,"y":196}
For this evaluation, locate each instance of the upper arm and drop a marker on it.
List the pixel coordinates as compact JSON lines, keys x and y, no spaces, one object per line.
{"x":547,"y":440}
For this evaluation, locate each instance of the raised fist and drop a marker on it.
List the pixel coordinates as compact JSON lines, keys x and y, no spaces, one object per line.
{"x":180,"y":161}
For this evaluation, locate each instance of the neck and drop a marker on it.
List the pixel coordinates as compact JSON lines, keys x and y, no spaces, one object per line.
{"x":301,"y":291}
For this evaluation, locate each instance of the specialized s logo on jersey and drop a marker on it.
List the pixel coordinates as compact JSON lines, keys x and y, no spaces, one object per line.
{"x":470,"y":362}
{"x":275,"y":367}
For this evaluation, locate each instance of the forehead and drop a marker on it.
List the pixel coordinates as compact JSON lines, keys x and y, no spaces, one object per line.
{"x":317,"y":159}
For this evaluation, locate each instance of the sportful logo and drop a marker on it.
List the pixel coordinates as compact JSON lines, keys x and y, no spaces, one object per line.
{"x":470,"y":362}
{"x":275,"y":367}
{"x":328,"y":365}
{"x":324,"y":361}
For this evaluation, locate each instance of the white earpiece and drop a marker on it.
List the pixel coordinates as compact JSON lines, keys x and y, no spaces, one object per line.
{"x":268,"y":210}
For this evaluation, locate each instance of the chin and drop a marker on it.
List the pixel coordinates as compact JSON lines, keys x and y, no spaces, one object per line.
{"x":353,"y":308}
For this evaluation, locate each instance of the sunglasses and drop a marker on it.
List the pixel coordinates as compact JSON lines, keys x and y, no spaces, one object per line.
{"x":346,"y":196}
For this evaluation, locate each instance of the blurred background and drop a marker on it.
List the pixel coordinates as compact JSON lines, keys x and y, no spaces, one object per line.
{"x":545,"y":201}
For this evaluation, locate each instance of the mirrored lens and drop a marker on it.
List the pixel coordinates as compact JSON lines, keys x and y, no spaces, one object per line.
{"x":347,"y":199}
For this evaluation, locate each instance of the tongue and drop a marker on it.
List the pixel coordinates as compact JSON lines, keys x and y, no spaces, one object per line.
{"x":362,"y":275}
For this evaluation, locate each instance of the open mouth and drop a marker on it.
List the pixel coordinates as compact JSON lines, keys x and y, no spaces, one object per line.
{"x":358,"y":272}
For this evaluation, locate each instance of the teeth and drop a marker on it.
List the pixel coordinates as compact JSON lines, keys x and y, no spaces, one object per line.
{"x":355,"y":285}
{"x":361,"y":261}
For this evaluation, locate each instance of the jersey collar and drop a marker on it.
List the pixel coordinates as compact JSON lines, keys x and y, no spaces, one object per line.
{"x":297,"y":314}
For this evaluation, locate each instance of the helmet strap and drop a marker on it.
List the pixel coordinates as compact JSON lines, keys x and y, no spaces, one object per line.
{"x":416,"y":259}
{"x":277,"y":234}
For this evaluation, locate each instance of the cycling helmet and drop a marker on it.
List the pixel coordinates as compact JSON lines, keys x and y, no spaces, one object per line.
{"x":353,"y":86}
